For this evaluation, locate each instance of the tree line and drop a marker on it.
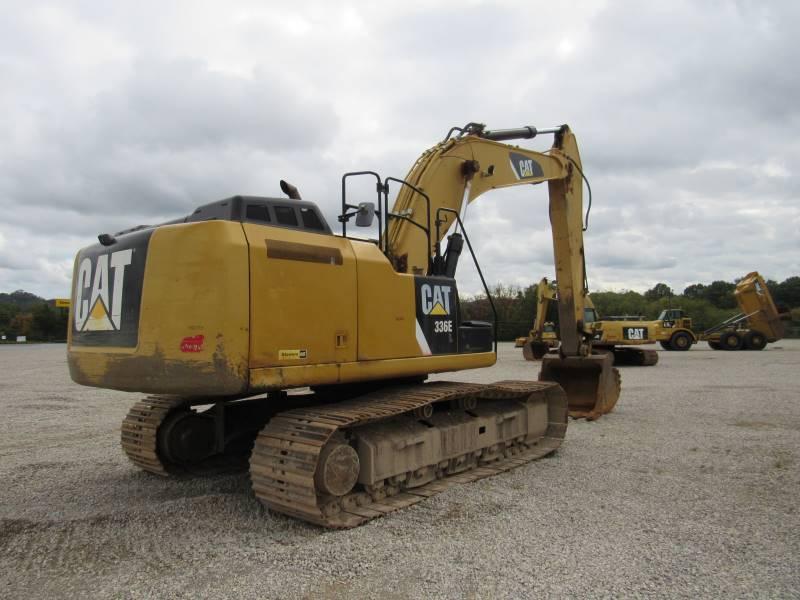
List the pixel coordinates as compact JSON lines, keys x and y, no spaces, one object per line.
{"x":23,"y":313}
{"x":706,"y":304}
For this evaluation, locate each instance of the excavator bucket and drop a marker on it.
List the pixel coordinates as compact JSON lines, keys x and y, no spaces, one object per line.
{"x":592,"y":384}
{"x":533,"y":350}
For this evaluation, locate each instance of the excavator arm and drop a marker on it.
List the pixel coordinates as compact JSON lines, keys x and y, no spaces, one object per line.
{"x":545,"y":294}
{"x":456,"y":172}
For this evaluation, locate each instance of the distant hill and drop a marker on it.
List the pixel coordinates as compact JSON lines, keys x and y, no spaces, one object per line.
{"x":21,"y":299}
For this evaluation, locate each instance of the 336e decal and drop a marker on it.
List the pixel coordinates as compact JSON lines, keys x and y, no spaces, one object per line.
{"x":437,"y":315}
{"x":443,"y":327}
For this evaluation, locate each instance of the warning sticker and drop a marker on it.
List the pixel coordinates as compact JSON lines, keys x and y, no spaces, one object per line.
{"x":292,"y":354}
{"x":192,"y":343}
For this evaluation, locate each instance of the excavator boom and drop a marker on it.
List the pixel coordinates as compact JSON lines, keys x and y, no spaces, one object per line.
{"x":460,"y":169}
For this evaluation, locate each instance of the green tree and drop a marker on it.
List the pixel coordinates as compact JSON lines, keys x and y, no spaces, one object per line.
{"x":610,"y":304}
{"x":720,"y":294}
{"x":787,"y":292}
{"x":7,"y":312}
{"x":46,"y":323}
{"x":20,"y":324}
{"x":660,"y":290}
{"x":696,"y":290}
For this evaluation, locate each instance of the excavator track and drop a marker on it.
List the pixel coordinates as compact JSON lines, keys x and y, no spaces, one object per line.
{"x":139,"y":436}
{"x":634,"y":357}
{"x":650,"y":358}
{"x":150,"y":440}
{"x":302,"y":456}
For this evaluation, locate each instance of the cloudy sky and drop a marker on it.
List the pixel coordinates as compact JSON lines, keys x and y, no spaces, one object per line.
{"x":688,"y":116}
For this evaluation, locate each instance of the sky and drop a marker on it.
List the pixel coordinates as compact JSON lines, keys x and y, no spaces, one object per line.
{"x":116,"y":114}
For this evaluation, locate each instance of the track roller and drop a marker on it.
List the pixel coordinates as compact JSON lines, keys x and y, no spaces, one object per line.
{"x":167,"y":435}
{"x":634,"y":357}
{"x":342,"y":464}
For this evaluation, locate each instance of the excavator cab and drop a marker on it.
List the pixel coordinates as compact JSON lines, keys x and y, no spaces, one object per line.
{"x":674,"y":317}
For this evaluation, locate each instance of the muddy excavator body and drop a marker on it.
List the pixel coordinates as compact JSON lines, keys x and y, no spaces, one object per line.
{"x":265,"y":339}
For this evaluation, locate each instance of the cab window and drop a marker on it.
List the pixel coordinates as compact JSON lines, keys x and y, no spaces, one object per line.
{"x":257,"y":212}
{"x":285,"y":215}
{"x":311,"y":220}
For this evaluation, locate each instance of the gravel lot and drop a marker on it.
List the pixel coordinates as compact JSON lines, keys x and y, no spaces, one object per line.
{"x":690,"y":487}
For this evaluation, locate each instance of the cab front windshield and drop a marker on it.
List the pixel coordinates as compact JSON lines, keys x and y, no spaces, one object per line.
{"x":669,"y":315}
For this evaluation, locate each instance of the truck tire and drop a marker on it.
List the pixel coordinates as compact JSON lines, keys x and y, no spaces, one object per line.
{"x":755,"y":340}
{"x":665,"y":345}
{"x":680,"y":341}
{"x":730,"y":340}
{"x":715,"y":345}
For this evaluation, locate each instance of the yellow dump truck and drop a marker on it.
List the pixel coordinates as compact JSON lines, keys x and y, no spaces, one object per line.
{"x":758,"y":323}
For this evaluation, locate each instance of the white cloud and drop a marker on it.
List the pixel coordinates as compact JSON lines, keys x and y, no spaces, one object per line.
{"x":121,"y":113}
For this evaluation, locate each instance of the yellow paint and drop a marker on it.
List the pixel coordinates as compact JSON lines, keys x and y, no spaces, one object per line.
{"x":386,"y":307}
{"x":299,"y":303}
{"x":195,"y":283}
{"x":98,"y":318}
{"x":325,"y":374}
{"x":352,"y":313}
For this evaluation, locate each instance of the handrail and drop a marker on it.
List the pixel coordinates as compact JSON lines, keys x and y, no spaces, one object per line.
{"x":474,"y":260}
{"x":396,"y":216}
{"x":344,"y":217}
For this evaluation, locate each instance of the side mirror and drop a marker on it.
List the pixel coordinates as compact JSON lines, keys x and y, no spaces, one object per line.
{"x":365,"y":214}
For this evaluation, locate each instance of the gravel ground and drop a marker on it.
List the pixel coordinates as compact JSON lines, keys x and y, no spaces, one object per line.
{"x":689,"y":488}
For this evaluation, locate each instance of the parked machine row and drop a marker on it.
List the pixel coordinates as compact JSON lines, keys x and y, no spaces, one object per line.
{"x":759,"y":322}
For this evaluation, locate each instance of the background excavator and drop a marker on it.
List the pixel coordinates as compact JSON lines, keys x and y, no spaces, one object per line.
{"x":615,"y":337}
{"x":255,"y":327}
{"x":759,"y":322}
{"x":542,"y":336}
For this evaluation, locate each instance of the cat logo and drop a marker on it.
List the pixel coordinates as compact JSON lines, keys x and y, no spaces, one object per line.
{"x":524,"y":167}
{"x":98,"y":297}
{"x":634,"y":333}
{"x":435,"y":299}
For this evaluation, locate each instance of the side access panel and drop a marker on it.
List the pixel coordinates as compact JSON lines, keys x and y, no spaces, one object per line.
{"x":386,"y":315}
{"x":303,"y":301}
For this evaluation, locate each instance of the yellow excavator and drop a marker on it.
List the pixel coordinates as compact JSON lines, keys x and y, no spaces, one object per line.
{"x":542,"y":336}
{"x":262,"y":336}
{"x":615,"y":337}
